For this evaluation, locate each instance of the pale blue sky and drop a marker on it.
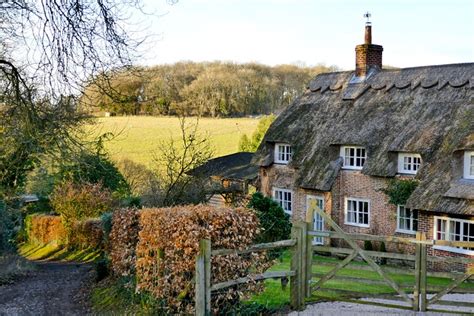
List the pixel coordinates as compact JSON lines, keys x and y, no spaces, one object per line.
{"x":412,"y":32}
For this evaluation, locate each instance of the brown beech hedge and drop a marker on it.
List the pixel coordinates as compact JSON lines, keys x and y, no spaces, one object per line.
{"x":123,"y":240}
{"x":169,"y":243}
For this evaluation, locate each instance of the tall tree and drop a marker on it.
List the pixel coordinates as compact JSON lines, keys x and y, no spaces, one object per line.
{"x":48,"y":48}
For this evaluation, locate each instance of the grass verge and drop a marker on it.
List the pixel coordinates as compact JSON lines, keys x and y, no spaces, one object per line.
{"x":57,"y":253}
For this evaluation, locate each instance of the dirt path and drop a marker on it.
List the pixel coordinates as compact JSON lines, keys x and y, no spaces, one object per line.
{"x":52,"y":289}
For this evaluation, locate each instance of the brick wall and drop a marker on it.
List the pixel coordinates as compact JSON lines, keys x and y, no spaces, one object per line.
{"x":349,"y":183}
{"x":368,"y":55}
{"x":426,"y":224}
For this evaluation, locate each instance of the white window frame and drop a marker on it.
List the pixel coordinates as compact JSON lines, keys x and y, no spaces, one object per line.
{"x":358,"y":200}
{"x":406,"y":163}
{"x":468,"y":164}
{"x":447,"y":233}
{"x":282,"y":202}
{"x":411,"y":220}
{"x":285,"y":156}
{"x":345,"y":164}
{"x":318,"y":220}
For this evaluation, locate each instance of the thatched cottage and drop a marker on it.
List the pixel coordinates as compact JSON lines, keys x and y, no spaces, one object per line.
{"x":342,"y":141}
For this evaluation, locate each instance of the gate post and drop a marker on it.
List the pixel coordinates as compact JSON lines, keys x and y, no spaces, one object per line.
{"x":423,"y":268}
{"x":203,"y":279}
{"x":309,"y":251}
{"x":298,"y":263}
{"x":416,"y":292}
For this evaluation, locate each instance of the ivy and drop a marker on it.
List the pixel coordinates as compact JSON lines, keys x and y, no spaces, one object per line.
{"x":399,"y":190}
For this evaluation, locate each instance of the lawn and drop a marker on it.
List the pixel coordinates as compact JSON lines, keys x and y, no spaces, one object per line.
{"x":274,"y":297}
{"x":138,"y":137}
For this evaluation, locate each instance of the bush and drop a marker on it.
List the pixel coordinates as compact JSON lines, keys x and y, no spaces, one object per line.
{"x":45,"y":229}
{"x":169,"y":243}
{"x":96,"y":168}
{"x":75,"y":202}
{"x":87,"y":234}
{"x":383,"y":248}
{"x":368,"y":245}
{"x":274,"y":222}
{"x":102,"y":268}
{"x":399,"y":190}
{"x":123,"y":240}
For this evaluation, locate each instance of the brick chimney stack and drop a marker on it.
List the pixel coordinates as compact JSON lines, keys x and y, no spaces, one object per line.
{"x":368,"y":55}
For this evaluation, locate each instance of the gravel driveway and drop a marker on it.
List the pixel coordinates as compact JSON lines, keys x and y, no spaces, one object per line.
{"x":349,"y":309}
{"x":52,"y":289}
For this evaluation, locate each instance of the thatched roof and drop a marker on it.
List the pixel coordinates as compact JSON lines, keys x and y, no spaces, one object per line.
{"x":236,"y":166}
{"x":428,"y":110}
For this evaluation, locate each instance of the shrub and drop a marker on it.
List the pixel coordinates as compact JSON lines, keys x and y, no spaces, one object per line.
{"x":106,"y":220}
{"x":399,"y":190}
{"x":45,"y":229}
{"x":383,"y":248}
{"x":123,"y":240}
{"x":368,"y":245}
{"x":274,"y":222}
{"x":169,"y":243}
{"x":87,"y":234}
{"x":96,"y":168}
{"x":75,"y":202}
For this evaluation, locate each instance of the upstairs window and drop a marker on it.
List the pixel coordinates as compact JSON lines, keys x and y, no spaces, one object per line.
{"x":354,"y":157}
{"x":454,"y":229}
{"x":284,"y":198}
{"x":407,"y":220}
{"x":283,"y":153}
{"x":409,"y":163}
{"x":469,"y":165}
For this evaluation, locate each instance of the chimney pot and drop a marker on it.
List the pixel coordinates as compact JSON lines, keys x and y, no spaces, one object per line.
{"x":368,"y":34}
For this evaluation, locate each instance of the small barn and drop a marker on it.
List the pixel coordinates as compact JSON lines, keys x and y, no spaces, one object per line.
{"x":230,"y":178}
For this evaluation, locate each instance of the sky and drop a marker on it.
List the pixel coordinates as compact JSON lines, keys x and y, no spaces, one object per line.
{"x":310,"y":32}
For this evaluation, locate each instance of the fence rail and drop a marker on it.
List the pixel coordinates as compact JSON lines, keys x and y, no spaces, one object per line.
{"x":204,"y":287}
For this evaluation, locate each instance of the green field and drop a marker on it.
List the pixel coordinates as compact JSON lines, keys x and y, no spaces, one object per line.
{"x":138,"y":137}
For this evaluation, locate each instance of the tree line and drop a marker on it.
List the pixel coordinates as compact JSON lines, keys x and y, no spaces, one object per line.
{"x":213,"y":89}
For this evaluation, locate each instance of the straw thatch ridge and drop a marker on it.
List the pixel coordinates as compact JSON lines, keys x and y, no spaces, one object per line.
{"x":428,"y":110}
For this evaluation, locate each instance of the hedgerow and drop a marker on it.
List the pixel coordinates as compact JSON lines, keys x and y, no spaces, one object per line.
{"x":45,"y":229}
{"x":79,"y":201}
{"x":123,"y":239}
{"x":169,"y":243}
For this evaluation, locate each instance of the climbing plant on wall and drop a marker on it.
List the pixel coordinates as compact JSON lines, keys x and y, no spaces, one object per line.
{"x":399,"y":190}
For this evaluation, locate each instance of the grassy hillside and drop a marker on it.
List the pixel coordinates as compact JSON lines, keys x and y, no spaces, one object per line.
{"x":137,"y":137}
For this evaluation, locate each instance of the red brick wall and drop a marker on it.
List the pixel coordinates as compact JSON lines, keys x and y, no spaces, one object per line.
{"x":349,"y":183}
{"x":426,"y":224}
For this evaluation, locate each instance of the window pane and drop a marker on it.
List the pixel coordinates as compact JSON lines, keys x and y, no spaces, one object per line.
{"x":471,"y":172}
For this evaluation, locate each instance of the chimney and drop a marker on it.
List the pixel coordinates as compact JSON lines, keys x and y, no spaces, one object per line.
{"x":368,"y":55}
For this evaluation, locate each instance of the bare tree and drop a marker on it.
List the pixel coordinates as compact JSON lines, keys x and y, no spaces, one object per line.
{"x":176,"y":159}
{"x":48,"y":50}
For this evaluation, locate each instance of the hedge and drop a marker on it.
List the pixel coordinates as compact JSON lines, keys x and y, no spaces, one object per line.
{"x":169,"y":243}
{"x":123,"y":240}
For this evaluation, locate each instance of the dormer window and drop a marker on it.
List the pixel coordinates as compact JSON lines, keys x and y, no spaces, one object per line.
{"x":283,"y":153}
{"x":468,"y":165}
{"x":409,"y":163}
{"x":354,"y":157}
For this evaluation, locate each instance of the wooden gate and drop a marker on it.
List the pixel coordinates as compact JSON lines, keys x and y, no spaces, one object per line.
{"x":415,"y":296}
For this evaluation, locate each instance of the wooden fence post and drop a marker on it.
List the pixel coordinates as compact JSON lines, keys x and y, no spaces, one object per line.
{"x":309,"y":251}
{"x":423,"y":269}
{"x":416,"y":292}
{"x":298,"y":264}
{"x":203,"y":279}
